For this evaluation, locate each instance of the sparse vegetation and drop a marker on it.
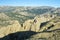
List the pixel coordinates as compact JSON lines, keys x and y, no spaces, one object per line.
{"x":45,"y":21}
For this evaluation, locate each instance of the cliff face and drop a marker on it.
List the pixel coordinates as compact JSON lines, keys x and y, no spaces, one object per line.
{"x":28,"y":22}
{"x":42,"y":23}
{"x":5,"y":30}
{"x":38,"y":23}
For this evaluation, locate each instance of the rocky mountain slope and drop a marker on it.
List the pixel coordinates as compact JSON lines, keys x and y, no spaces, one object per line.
{"x":36,"y":22}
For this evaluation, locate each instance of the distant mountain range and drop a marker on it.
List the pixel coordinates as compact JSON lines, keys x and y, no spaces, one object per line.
{"x":24,"y":13}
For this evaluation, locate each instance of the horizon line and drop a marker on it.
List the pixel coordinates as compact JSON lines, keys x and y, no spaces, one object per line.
{"x":28,"y":6}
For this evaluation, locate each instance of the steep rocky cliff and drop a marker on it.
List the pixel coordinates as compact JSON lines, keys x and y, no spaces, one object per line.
{"x":41,"y":23}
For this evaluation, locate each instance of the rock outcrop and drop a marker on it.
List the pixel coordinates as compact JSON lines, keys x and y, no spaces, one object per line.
{"x":38,"y":22}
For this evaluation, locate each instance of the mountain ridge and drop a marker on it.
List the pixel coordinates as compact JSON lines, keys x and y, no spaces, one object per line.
{"x":45,"y":20}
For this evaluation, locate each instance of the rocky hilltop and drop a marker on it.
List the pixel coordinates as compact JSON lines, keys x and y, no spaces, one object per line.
{"x":30,"y":23}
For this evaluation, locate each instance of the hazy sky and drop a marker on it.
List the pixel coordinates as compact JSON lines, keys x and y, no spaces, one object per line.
{"x":54,"y":3}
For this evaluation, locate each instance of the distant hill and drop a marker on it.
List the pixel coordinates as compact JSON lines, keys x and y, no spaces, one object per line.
{"x":23,"y":13}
